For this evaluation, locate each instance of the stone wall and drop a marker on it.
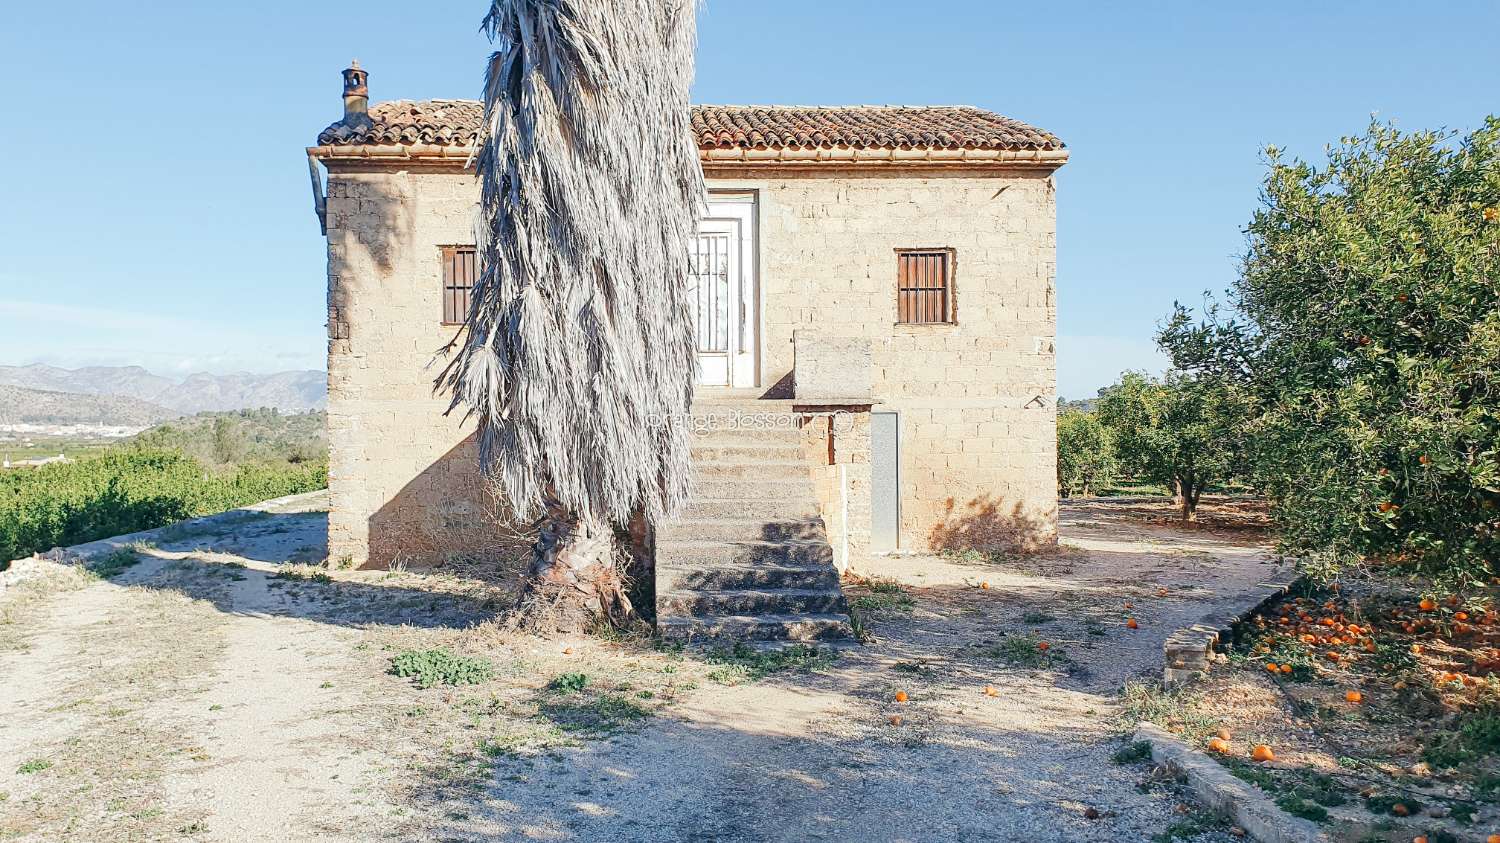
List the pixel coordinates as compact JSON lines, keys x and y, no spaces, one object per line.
{"x":975,"y":398}
{"x":836,"y":442}
{"x":404,"y":482}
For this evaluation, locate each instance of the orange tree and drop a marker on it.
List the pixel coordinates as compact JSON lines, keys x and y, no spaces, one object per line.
{"x":1365,"y":324}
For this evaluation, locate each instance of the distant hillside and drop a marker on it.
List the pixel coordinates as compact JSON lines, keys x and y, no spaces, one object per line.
{"x":36,"y":406}
{"x":286,"y":391}
{"x":244,"y":436}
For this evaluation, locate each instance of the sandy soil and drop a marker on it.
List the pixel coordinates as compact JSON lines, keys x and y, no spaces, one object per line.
{"x":216,"y":692}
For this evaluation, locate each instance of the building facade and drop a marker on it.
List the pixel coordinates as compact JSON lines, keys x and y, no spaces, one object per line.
{"x":919,"y":240}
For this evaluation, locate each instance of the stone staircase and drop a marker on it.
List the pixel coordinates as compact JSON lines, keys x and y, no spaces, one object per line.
{"x":749,"y":559}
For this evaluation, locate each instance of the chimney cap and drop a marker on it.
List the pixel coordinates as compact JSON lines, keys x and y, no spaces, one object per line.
{"x":356,"y":92}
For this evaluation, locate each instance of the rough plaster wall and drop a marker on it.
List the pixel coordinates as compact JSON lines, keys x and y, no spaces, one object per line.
{"x":838,"y":456}
{"x":403,"y":477}
{"x":976,"y":398}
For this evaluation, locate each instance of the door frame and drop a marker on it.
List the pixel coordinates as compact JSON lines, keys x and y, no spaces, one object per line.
{"x":739,"y":208}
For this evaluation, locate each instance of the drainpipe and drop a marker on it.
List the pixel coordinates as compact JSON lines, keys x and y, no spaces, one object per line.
{"x":320,"y":202}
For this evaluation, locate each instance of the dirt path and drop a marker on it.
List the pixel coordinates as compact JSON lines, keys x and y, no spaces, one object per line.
{"x":215,"y":693}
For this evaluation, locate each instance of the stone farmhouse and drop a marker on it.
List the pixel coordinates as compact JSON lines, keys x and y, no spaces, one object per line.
{"x":876,"y":327}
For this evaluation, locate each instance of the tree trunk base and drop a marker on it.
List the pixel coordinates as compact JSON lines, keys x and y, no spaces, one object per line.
{"x":582,"y":577}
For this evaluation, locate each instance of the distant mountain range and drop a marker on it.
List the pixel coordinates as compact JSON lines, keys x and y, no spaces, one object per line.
{"x":286,"y":391}
{"x":41,"y":407}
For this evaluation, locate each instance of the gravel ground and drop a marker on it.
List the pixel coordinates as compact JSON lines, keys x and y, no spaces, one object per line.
{"x":252,"y":703}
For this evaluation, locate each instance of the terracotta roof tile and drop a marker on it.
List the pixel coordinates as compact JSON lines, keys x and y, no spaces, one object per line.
{"x":456,"y":123}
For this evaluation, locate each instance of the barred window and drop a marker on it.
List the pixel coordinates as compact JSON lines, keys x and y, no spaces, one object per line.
{"x":459,"y":271}
{"x":924,"y":286}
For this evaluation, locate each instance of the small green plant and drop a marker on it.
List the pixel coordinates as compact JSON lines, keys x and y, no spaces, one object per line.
{"x":34,"y":765}
{"x":441,"y":667}
{"x":117,"y":561}
{"x":1035,"y":617}
{"x":1093,"y":627}
{"x":596,"y":717}
{"x":1477,"y":736}
{"x":1189,"y":827}
{"x":1132,"y":752}
{"x":744,"y":663}
{"x":885,"y":601}
{"x":569,"y":683}
{"x":1022,"y":651}
{"x":1299,"y":807}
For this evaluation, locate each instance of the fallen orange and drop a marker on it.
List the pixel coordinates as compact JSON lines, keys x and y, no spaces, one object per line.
{"x":901,"y":696}
{"x":1353,"y":697}
{"x":1131,"y":624}
{"x":1262,"y":753}
{"x":1219,"y":745}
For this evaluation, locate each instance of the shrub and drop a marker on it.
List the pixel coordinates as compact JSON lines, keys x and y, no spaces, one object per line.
{"x":127,"y":489}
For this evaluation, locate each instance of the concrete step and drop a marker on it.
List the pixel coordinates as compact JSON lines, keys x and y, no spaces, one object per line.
{"x":712,"y":451}
{"x":704,"y":432}
{"x":750,"y":470}
{"x":799,"y":488}
{"x":703,"y":554}
{"x":748,"y":601}
{"x":818,"y":627}
{"x":671,"y":579}
{"x":708,"y":509}
{"x":742,"y":529}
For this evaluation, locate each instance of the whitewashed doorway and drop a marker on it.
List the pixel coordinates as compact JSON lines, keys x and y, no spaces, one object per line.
{"x":725,"y":316}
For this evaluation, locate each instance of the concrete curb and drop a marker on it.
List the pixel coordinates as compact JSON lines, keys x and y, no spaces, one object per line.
{"x":21,"y":569}
{"x":1245,"y":804}
{"x":1188,"y":650}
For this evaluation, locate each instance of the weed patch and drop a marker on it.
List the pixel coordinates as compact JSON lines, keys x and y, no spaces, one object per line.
{"x":747,"y":664}
{"x":34,"y":765}
{"x":441,"y":667}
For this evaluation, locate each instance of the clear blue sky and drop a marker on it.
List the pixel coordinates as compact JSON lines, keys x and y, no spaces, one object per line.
{"x":156,"y":208}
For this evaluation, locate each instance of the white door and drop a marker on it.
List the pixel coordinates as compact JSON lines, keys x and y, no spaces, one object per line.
{"x":723,"y":289}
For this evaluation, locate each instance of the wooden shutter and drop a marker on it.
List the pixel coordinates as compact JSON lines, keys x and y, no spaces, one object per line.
{"x":459,"y":272}
{"x":923,"y":294}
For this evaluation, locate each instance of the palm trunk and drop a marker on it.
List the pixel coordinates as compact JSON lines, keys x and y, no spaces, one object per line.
{"x":576,"y":581}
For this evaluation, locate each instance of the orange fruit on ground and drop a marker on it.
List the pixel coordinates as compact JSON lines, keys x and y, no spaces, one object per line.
{"x":1271,"y":666}
{"x":1286,"y":668}
{"x":984,"y":585}
{"x":901,"y":696}
{"x":1353,"y":697}
{"x":1219,"y":745}
{"x":1493,"y":838}
{"x":1262,"y":753}
{"x":1460,"y":616}
{"x":1416,"y":649}
{"x":1427,"y":604}
{"x":1042,"y":645}
{"x":1131,"y":624}
{"x":567,"y":651}
{"x":1400,"y":810}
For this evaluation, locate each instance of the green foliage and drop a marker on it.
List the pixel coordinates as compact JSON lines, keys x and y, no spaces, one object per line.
{"x":1477,"y":736}
{"x":744,"y":663}
{"x":1366,"y":325}
{"x":1132,"y":753}
{"x":34,"y":765}
{"x":116,"y":561}
{"x":125,"y":490}
{"x":245,"y":436}
{"x":1181,"y":430}
{"x":1086,"y":460}
{"x":1299,"y":807}
{"x":441,"y":667}
{"x":570,"y":683}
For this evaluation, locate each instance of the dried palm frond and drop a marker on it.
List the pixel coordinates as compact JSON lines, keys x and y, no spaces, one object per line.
{"x":577,"y":355}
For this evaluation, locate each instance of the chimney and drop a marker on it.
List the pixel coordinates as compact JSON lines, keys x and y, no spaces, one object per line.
{"x":356,"y":92}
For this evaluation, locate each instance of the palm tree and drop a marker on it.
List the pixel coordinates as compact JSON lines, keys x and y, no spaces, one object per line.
{"x":577,"y":355}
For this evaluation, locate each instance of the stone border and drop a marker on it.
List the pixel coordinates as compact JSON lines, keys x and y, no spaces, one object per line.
{"x":25,"y":568}
{"x":1246,"y":805}
{"x":1188,"y":651}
